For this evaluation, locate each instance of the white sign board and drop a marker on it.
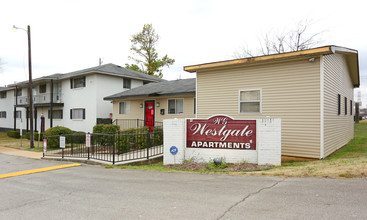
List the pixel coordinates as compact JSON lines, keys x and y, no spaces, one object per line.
{"x":62,"y":141}
{"x":87,"y":140}
{"x":21,"y":127}
{"x":44,"y":146}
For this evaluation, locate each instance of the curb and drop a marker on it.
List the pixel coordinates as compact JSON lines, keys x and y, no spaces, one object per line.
{"x":155,"y":159}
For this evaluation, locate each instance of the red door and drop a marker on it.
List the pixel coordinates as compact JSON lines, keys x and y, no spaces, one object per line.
{"x":149,"y":114}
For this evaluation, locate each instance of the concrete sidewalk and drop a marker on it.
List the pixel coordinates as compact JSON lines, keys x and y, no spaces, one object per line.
{"x":22,"y":153}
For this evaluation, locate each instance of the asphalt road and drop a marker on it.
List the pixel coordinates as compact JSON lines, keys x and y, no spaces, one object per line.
{"x":93,"y":192}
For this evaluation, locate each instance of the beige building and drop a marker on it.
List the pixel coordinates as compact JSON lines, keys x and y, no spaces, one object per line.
{"x":310,"y":90}
{"x":149,"y":104}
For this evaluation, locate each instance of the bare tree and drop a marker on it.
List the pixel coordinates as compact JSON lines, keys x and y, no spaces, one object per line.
{"x":299,"y":38}
{"x":295,"y":39}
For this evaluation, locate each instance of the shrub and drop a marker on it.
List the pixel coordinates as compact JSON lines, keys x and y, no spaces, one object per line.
{"x":98,"y":128}
{"x":53,"y":134}
{"x":78,"y":137}
{"x":13,"y":134}
{"x":136,"y":139}
{"x":111,"y":128}
{"x":35,"y":136}
{"x":106,"y":128}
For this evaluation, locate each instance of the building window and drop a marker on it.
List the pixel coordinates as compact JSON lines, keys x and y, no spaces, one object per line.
{"x":3,"y":95}
{"x":3,"y":114}
{"x":19,"y":92}
{"x":351,"y":107}
{"x":56,"y":114}
{"x":57,"y":91}
{"x":77,"y":82}
{"x":345,"y":105}
{"x":42,"y":88}
{"x":175,"y":106}
{"x":127,"y":83}
{"x":18,"y":114}
{"x":339,"y":104}
{"x":250,"y":101}
{"x":124,"y":108}
{"x":77,"y":113}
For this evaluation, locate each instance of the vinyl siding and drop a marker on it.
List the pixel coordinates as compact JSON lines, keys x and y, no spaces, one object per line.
{"x":138,"y":113}
{"x":338,"y":129}
{"x":290,"y":91}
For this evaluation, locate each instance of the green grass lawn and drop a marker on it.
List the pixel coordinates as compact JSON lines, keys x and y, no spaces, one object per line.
{"x":348,"y":162}
{"x":23,"y":144}
{"x":356,"y":148}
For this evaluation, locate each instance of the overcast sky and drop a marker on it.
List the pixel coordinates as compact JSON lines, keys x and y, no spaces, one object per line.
{"x":73,"y":35}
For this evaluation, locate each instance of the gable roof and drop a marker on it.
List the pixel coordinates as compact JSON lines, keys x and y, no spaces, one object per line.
{"x":114,"y":70}
{"x":106,"y":69}
{"x":167,"y":88}
{"x":6,"y":88}
{"x":351,"y":56}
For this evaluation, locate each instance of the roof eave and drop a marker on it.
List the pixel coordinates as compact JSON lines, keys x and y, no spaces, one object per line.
{"x":273,"y":57}
{"x":107,"y":73}
{"x":148,"y":95}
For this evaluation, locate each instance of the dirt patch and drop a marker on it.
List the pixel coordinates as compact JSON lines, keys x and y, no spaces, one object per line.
{"x":227,"y":167}
{"x":341,"y":168}
{"x":289,"y":158}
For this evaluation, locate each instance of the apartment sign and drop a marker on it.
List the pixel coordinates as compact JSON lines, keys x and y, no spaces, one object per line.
{"x":221,"y":132}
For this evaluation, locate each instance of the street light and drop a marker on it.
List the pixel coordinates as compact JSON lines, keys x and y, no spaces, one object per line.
{"x":30,"y":97}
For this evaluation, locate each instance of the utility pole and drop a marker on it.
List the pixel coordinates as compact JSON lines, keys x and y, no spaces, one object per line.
{"x":30,"y":96}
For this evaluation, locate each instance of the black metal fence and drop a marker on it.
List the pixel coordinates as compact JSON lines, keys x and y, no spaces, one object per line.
{"x":134,"y":123}
{"x":128,"y":145}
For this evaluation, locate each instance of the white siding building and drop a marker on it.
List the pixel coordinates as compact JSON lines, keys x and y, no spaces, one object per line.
{"x":74,"y":100}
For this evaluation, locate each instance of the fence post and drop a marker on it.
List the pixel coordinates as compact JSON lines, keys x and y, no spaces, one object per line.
{"x":72,"y":145}
{"x":148,"y":144}
{"x":89,"y":144}
{"x":113,"y":149}
{"x":118,"y":143}
{"x":43,"y":146}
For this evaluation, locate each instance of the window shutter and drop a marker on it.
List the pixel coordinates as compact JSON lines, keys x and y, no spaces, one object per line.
{"x":345,"y":105}
{"x":84,"y":81}
{"x":351,"y":107}
{"x":71,"y":83}
{"x":83,"y":113}
{"x":339,"y":104}
{"x":62,"y":113}
{"x":71,"y":113}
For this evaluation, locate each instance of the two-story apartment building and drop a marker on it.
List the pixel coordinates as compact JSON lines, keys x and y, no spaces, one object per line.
{"x":74,"y":100}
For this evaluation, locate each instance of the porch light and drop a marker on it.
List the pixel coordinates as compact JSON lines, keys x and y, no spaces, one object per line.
{"x":141,"y":105}
{"x":158,"y":104}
